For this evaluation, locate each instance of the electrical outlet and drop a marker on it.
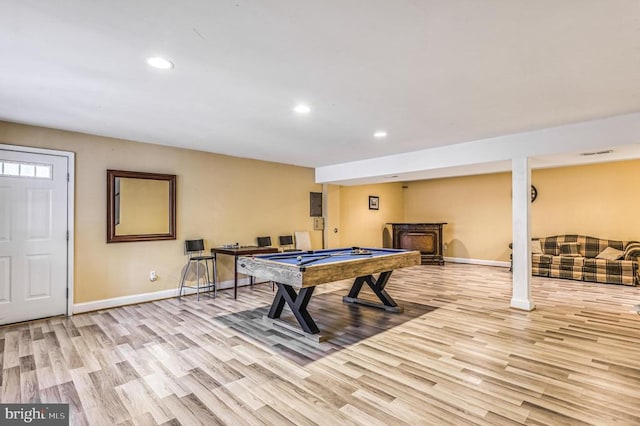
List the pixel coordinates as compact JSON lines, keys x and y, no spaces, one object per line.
{"x":153,"y":276}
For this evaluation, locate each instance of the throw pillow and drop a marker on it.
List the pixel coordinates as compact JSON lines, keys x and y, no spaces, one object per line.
{"x":569,"y":249}
{"x":536,"y":248}
{"x":610,"y":253}
{"x":632,"y":251}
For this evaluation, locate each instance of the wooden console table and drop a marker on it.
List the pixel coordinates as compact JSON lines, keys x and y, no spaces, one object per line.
{"x":424,"y":237}
{"x":236,"y":252}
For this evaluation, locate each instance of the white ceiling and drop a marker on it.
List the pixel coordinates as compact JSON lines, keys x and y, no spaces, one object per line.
{"x":432,"y":73}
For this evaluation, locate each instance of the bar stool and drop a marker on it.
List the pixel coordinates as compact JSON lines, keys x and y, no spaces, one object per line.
{"x":303,"y":240}
{"x":286,"y":242}
{"x":194,"y":249}
{"x":264,"y":241}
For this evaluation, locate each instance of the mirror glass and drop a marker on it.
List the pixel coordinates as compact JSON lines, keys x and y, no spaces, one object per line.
{"x":141,"y":206}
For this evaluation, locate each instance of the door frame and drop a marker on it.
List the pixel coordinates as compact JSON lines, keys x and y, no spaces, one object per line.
{"x":71,"y":173}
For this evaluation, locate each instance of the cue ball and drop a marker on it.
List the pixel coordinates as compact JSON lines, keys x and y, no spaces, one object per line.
{"x":299,"y":258}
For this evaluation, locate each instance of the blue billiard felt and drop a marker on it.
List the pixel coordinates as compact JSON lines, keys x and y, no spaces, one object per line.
{"x":327,"y":256}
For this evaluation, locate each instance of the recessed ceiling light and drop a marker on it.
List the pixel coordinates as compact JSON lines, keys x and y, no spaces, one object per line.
{"x":302,"y":109}
{"x":380,"y":134}
{"x":160,"y":63}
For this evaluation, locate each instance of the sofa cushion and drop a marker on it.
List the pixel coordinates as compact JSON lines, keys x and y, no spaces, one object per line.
{"x":569,"y":249}
{"x":550,"y":245}
{"x":592,"y":247}
{"x":610,"y":271}
{"x":610,"y":253}
{"x":568,"y":262}
{"x":589,"y":246}
{"x":617,"y":266}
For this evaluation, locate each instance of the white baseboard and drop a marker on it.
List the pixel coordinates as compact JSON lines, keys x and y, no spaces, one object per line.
{"x":499,"y":263}
{"x":96,"y":305}
{"x":525,"y":305}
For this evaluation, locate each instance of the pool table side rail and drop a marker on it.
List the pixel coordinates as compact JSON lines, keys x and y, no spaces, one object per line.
{"x":325,"y":273}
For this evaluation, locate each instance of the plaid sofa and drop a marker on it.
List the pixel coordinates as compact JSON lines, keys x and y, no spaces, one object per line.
{"x":574,"y":257}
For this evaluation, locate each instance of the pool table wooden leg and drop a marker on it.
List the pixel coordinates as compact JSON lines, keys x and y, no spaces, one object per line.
{"x":297,"y":303}
{"x":378,"y":288}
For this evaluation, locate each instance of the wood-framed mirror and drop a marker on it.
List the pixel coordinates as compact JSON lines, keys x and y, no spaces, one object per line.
{"x":140,"y":206}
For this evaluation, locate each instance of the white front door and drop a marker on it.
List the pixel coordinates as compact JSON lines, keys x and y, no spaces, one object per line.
{"x":33,"y":235}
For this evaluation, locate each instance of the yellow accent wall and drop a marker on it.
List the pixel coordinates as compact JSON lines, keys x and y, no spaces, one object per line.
{"x":598,"y":200}
{"x":220,"y":198}
{"x":477,"y":210}
{"x":332,"y":220}
{"x":363,"y":227}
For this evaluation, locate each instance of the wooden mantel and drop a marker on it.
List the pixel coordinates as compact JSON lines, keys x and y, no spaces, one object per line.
{"x":424,"y":237}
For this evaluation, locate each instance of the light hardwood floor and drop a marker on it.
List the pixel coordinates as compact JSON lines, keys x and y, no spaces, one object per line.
{"x":457,"y":355}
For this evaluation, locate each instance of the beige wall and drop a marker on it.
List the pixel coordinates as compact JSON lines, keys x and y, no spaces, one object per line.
{"x":219,"y":198}
{"x":598,"y":200}
{"x":332,"y":219}
{"x":363,"y":227}
{"x":477,"y":210}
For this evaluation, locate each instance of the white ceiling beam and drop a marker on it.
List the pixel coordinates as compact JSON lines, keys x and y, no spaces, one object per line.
{"x":573,"y":138}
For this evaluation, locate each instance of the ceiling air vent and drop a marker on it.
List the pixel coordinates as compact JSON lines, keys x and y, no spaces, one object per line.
{"x":586,"y":154}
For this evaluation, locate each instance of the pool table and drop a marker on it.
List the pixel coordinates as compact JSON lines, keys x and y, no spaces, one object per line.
{"x":304,"y":270}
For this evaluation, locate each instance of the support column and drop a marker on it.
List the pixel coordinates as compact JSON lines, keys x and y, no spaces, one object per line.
{"x":521,"y":234}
